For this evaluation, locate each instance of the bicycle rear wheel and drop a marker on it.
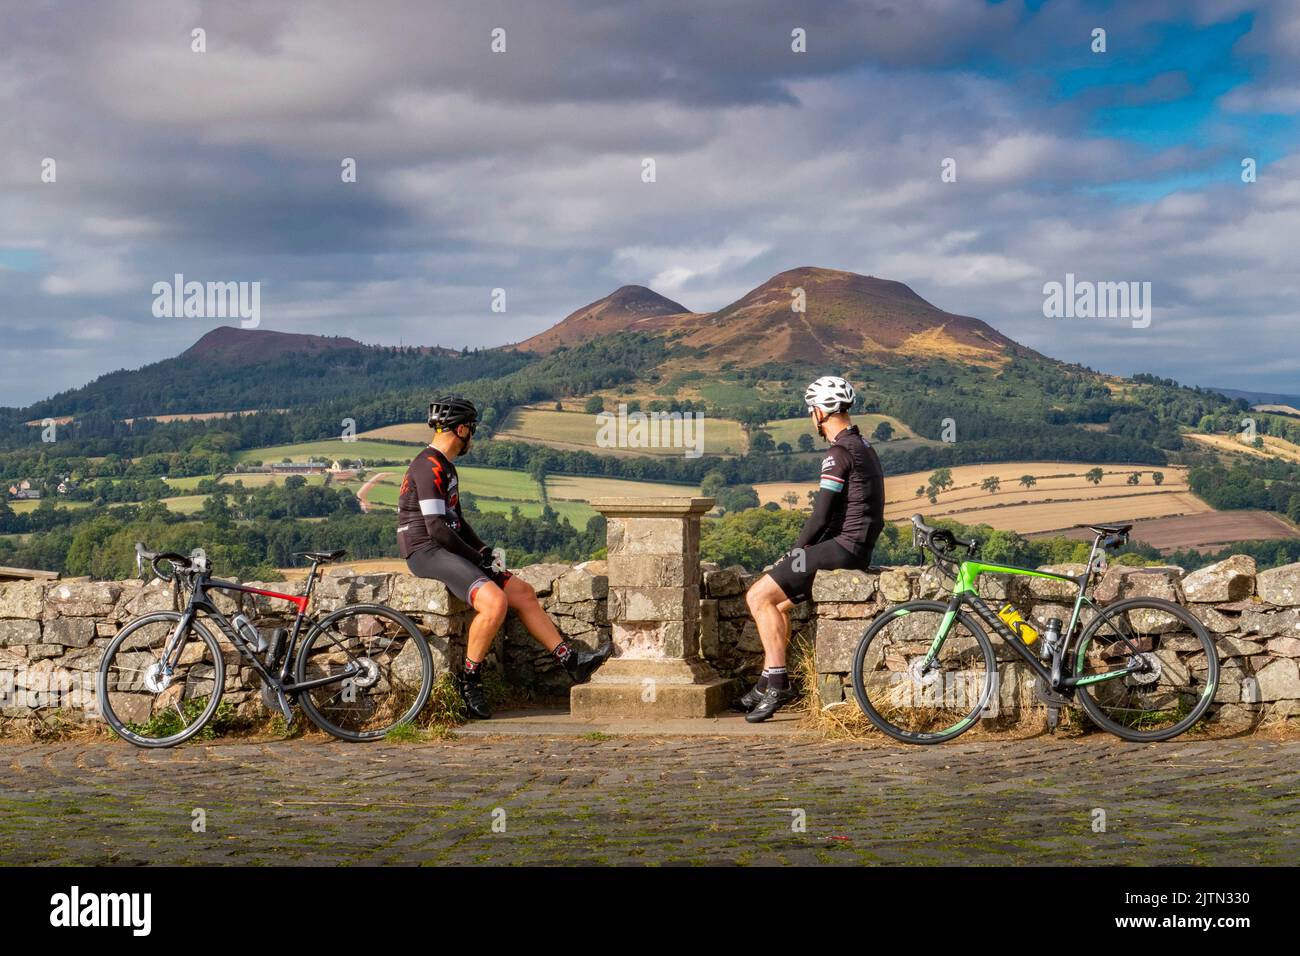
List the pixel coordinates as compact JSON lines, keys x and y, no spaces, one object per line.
{"x":145,"y":701}
{"x":1180,"y":669}
{"x":913,"y":703}
{"x":394,"y":672}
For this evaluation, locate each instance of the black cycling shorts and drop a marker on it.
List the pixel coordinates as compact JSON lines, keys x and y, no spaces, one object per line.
{"x":462,"y":577}
{"x":795,"y":578}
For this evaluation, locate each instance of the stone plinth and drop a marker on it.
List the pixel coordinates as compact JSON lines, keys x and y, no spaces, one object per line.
{"x":654,"y":615}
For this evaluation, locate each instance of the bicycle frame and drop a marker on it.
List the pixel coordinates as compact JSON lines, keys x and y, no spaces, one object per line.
{"x":199,"y":601}
{"x":966,"y":592}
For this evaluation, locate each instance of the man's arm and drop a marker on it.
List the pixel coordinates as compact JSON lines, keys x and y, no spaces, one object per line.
{"x":433,"y":508}
{"x":835,"y":470}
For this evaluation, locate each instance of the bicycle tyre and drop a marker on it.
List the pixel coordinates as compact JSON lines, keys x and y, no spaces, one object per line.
{"x":398,"y":620}
{"x":1094,"y":708}
{"x":123,"y":728}
{"x":903,"y":735}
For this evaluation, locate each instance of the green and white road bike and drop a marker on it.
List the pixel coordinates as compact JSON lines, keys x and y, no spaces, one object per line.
{"x":1142,"y":668}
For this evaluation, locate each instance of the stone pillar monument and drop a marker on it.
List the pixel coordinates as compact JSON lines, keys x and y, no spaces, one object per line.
{"x":654,"y":615}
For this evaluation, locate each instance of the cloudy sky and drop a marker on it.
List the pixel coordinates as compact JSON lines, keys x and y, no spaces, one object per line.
{"x":522,"y":169}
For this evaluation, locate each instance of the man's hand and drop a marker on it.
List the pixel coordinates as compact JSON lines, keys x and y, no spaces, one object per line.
{"x":490,"y":560}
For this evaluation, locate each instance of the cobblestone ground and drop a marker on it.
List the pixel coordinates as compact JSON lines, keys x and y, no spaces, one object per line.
{"x":686,"y":800}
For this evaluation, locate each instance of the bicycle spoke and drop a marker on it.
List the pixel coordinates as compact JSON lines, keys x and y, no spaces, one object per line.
{"x":1163,"y":667}
{"x":382,"y":689}
{"x":918,"y":689}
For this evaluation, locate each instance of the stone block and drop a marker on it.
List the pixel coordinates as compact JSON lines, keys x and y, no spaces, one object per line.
{"x":726,"y":582}
{"x":842,"y":586}
{"x":541,"y":577}
{"x":1232,"y":579}
{"x":1279,"y":586}
{"x":412,"y":594}
{"x":70,"y":631}
{"x":22,"y":599}
{"x":581,"y":584}
{"x":1279,"y":680}
{"x":15,"y":633}
{"x":88,"y":599}
{"x":652,"y":570}
{"x":896,"y":583}
{"x":1050,"y":589}
{"x":652,"y":604}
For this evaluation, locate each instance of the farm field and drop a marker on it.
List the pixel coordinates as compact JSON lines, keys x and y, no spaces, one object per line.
{"x":1060,"y":498}
{"x":255,"y":480}
{"x":250,"y":480}
{"x":1206,"y":532}
{"x":330,"y":450}
{"x":1273,"y":447}
{"x":583,"y":488}
{"x":362,"y":566}
{"x":185,"y":504}
{"x":493,"y":489}
{"x":578,"y":431}
{"x":789,"y":429}
{"x":22,"y":507}
{"x":1279,"y":410}
{"x":193,"y":416}
{"x":418,"y":432}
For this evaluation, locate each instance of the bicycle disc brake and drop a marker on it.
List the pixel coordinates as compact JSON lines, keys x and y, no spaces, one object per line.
{"x":921,"y":675}
{"x":369,"y":675}
{"x":156,"y":679}
{"x":1151,"y":668}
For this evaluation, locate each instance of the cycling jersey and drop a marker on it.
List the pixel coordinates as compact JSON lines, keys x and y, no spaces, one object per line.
{"x":850,"y":505}
{"x":428,"y":509}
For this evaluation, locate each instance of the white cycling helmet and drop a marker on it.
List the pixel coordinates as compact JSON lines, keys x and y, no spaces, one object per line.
{"x":831,"y":394}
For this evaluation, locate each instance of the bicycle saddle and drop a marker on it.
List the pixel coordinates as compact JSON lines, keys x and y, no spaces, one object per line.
{"x":323,"y":556}
{"x":1105,"y":529}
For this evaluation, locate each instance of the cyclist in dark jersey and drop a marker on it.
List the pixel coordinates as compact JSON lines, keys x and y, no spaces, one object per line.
{"x":847,"y":517}
{"x":437,"y":542}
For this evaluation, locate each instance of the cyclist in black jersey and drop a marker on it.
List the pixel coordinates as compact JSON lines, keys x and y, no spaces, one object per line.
{"x":437,"y":542}
{"x":841,"y":532}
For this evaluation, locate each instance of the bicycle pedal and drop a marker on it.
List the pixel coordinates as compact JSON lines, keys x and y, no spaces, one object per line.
{"x":287,"y":709}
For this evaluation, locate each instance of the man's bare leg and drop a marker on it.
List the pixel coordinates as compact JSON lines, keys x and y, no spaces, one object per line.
{"x":771,"y":612}
{"x":491,"y":604}
{"x":523,"y":601}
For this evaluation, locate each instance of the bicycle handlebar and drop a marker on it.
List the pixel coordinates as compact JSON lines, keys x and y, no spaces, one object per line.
{"x":179,"y":563}
{"x":940,"y":541}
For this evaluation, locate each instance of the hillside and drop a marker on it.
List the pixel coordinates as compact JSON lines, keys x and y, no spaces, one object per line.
{"x":846,"y":317}
{"x":624,"y":309}
{"x":246,"y":346}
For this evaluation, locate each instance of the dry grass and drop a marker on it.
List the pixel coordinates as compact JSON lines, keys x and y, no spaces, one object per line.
{"x":1273,"y":447}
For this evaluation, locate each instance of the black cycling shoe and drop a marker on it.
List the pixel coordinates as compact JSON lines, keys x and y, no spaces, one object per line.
{"x":581,"y":663}
{"x":748,"y":700}
{"x":769,"y":702}
{"x":471,"y":692}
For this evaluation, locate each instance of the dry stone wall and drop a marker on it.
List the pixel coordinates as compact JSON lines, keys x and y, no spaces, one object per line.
{"x":52,"y":634}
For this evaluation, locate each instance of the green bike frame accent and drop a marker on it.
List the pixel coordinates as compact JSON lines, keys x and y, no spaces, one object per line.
{"x":966,"y":591}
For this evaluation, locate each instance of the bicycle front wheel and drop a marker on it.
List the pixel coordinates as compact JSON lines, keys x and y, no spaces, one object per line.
{"x":1147,"y":669}
{"x":155,"y":692}
{"x":916,"y":702}
{"x":391,"y":665}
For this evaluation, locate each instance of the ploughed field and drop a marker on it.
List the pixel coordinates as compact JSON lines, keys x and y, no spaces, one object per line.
{"x":1059,"y":498}
{"x":1206,"y":532}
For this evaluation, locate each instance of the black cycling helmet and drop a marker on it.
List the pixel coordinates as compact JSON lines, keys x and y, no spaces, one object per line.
{"x":449,"y":411}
